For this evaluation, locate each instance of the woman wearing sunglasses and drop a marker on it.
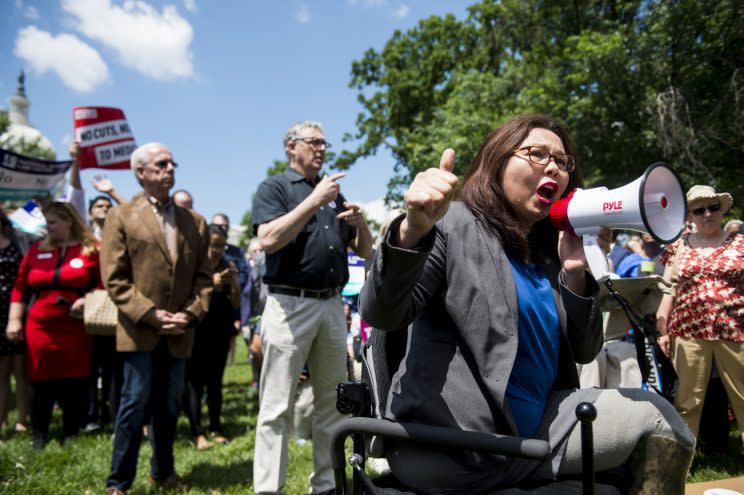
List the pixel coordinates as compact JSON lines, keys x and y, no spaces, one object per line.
{"x":702,"y":321}
{"x":502,"y":308}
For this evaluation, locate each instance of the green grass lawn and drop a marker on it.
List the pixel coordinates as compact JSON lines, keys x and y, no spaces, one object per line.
{"x":81,"y":465}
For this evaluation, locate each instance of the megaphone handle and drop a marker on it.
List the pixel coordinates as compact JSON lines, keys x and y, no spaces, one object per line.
{"x":595,"y":257}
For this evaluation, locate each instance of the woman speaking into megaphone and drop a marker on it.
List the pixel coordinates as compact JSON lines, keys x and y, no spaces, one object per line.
{"x":502,"y":310}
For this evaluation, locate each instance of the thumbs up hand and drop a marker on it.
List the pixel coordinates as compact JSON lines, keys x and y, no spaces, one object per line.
{"x":427,"y":200}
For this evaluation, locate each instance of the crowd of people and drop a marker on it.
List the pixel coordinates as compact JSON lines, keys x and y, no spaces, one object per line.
{"x":501,"y":307}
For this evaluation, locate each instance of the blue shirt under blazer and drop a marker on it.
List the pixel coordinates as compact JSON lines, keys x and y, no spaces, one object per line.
{"x":539,"y":338}
{"x":458,"y":290}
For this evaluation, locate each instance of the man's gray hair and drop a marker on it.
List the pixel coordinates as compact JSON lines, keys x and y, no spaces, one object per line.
{"x":296,"y":129}
{"x":731,"y":223}
{"x":141,"y":155}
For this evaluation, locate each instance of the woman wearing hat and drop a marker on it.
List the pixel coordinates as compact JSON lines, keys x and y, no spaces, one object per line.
{"x":703,"y":319}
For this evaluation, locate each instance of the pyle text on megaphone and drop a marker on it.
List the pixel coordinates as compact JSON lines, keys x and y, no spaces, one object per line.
{"x":653,"y":203}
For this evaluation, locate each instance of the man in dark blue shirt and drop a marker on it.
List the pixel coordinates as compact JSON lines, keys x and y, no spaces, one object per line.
{"x":305,"y":226}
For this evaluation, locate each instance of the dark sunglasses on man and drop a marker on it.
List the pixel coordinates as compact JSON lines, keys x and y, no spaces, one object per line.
{"x":162,"y":164}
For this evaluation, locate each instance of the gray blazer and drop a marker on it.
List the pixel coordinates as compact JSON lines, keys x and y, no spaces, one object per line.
{"x":459,"y":292}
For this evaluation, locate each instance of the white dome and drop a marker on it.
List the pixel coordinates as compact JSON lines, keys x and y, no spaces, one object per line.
{"x":17,"y":134}
{"x":20,"y":131}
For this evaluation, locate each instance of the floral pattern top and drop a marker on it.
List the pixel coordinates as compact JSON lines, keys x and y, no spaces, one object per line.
{"x":10,"y":260}
{"x":710,"y":291}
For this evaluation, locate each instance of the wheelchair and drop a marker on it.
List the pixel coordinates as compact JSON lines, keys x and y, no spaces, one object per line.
{"x":365,"y":403}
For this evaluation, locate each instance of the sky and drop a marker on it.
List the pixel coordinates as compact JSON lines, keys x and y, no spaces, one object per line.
{"x":216,"y":81}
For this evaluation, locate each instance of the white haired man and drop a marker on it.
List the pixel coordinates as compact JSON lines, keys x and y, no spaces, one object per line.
{"x":305,"y":226}
{"x":155,"y":267}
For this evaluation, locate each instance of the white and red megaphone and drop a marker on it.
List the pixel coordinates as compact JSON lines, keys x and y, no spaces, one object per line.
{"x":653,"y":203}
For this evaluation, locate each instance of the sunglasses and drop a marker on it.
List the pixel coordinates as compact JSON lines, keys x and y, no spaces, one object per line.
{"x":701,"y":211}
{"x":164,"y":163}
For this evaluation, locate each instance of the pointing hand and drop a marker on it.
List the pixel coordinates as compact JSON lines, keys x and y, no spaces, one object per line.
{"x":327,"y":189}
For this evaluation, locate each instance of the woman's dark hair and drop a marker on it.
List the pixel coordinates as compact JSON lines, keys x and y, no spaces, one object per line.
{"x":219,"y":230}
{"x":6,"y":226}
{"x":483,"y":189}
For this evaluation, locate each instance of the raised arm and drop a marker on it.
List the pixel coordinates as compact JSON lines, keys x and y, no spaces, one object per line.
{"x":75,"y":193}
{"x":104,"y":185}
{"x":409,"y":266}
{"x":403,"y":281}
{"x":279,"y":232}
{"x":361,"y":244}
{"x":583,"y":315}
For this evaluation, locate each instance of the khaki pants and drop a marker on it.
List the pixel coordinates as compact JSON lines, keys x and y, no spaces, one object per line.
{"x":296,"y":330}
{"x":303,"y":412}
{"x":616,"y":366}
{"x":693,"y":359}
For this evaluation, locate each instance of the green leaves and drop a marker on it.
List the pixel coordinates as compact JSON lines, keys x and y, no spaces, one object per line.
{"x":635,"y":82}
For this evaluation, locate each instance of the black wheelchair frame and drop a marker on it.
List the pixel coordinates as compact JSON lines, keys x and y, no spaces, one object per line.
{"x":357,"y":399}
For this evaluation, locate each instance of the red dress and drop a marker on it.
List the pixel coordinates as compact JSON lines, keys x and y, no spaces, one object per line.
{"x":57,"y":345}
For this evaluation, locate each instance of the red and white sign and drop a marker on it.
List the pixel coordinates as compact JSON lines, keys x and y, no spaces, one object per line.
{"x":106,"y":141}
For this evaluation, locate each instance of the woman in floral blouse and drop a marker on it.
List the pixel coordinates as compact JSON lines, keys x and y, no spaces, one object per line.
{"x":703,"y":320}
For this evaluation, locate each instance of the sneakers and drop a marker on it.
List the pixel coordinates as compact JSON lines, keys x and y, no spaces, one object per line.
{"x":112,"y":490}
{"x":91,"y":428}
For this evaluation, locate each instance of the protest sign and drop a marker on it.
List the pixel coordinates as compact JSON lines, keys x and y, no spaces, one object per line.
{"x":28,"y":218}
{"x":106,"y":141}
{"x":356,"y":276}
{"x":23,"y":177}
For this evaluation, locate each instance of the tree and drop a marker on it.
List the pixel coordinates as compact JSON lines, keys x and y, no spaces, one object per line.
{"x":277,"y":168}
{"x":4,"y":121}
{"x":32,"y":148}
{"x":247,"y":222}
{"x":634,"y":82}
{"x":22,"y":146}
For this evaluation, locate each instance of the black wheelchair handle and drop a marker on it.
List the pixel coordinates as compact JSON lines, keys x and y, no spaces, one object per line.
{"x":437,"y":436}
{"x":587,"y":413}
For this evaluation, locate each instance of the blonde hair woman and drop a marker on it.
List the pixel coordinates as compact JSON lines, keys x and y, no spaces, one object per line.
{"x":53,"y":277}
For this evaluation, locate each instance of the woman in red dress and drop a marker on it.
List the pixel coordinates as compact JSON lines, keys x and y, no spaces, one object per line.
{"x":53,"y":277}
